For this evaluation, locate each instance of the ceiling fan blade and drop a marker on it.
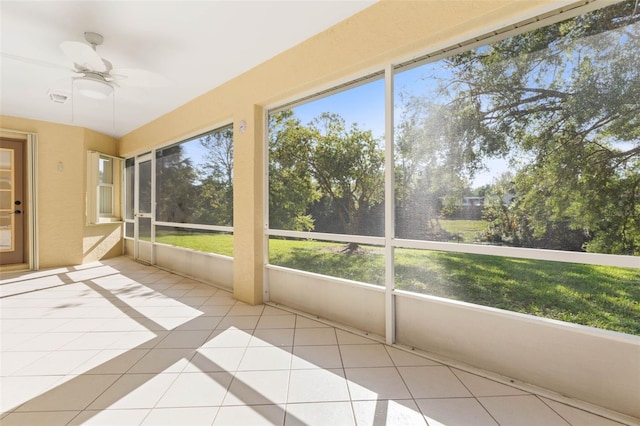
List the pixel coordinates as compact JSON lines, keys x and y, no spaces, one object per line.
{"x":83,"y":55}
{"x":139,"y":77}
{"x":33,"y":61}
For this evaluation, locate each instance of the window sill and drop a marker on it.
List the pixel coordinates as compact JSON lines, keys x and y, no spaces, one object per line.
{"x":107,"y":221}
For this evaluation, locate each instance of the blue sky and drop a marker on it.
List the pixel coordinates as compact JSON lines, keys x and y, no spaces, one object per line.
{"x":363,"y":105}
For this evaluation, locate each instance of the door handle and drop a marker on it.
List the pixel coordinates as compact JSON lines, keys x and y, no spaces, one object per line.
{"x":18,"y":211}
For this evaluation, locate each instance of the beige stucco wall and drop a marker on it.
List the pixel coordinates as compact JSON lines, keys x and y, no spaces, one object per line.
{"x":62,"y":234}
{"x":387,"y":31}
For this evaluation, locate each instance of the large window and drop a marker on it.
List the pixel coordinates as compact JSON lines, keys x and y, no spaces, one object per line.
{"x":327,"y":163}
{"x":193,"y":194}
{"x":326,"y":176}
{"x":516,"y":174}
{"x":194,"y":180}
{"x":530,"y":141}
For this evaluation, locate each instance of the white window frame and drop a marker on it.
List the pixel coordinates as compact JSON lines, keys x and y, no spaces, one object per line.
{"x":94,"y":185}
{"x":110,"y":185}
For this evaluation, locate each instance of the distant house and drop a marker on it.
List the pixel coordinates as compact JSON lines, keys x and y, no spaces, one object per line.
{"x":473,"y":201}
{"x":479,"y":201}
{"x":507,"y":199}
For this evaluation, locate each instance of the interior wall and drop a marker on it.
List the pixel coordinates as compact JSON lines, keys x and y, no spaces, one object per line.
{"x":358,"y":306}
{"x":206,"y":267}
{"x":62,"y":235}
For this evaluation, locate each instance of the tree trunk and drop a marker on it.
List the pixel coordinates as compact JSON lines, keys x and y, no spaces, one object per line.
{"x":351,"y":248}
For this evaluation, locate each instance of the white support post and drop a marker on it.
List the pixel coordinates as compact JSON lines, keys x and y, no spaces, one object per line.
{"x":389,"y":210}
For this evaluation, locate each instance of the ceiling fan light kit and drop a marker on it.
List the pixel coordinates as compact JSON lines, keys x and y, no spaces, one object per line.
{"x":93,"y":87}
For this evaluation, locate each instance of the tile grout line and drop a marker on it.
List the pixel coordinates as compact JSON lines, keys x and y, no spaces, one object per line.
{"x":244,"y":352}
{"x":344,"y":373}
{"x":293,"y":345}
{"x":395,"y":366}
{"x":551,"y":408}
{"x":473,"y":395}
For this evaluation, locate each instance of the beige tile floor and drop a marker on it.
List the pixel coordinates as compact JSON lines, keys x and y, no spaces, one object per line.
{"x":119,"y":343}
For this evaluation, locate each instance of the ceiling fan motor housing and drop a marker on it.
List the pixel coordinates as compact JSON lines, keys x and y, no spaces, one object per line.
{"x":94,"y":39}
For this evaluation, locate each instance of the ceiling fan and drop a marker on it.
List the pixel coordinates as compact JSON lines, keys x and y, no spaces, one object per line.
{"x":94,"y":76}
{"x":91,"y":74}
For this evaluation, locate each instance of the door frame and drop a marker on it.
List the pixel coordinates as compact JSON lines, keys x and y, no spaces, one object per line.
{"x":16,"y":215}
{"x":30,"y":152}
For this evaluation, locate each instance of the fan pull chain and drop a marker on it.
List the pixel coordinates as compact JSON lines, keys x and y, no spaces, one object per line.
{"x":73,"y":104}
{"x":113,"y":116}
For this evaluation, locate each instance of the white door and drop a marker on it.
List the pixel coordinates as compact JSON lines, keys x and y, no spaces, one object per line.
{"x":143,"y":206}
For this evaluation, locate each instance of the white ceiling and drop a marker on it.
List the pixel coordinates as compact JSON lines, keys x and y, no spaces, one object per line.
{"x":194,"y":45}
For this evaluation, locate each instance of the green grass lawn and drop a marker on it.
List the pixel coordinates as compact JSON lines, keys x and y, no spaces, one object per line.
{"x":208,"y":243}
{"x":597,"y":296}
{"x":468,"y":230}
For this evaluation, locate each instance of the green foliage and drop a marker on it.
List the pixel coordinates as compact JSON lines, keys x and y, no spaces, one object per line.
{"x":562,"y":102}
{"x":216,"y":189}
{"x":430,"y":170}
{"x":323,"y":161}
{"x":175,"y":183}
{"x":196,"y":193}
{"x":291,"y":189}
{"x":507,"y":224}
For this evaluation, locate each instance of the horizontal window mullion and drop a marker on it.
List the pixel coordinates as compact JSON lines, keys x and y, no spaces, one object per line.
{"x":217,"y":228}
{"x":522,"y":253}
{"x":342,"y":238}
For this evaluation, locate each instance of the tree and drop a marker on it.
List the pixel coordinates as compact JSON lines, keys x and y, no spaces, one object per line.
{"x":507,"y":224}
{"x":176,"y":199}
{"x":431,"y":170}
{"x":563,"y":103}
{"x":347,"y":166}
{"x":340,"y":166}
{"x":291,"y":189}
{"x":217,"y":178}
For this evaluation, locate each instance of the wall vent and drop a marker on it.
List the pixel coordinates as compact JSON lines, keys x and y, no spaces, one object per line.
{"x":58,"y":97}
